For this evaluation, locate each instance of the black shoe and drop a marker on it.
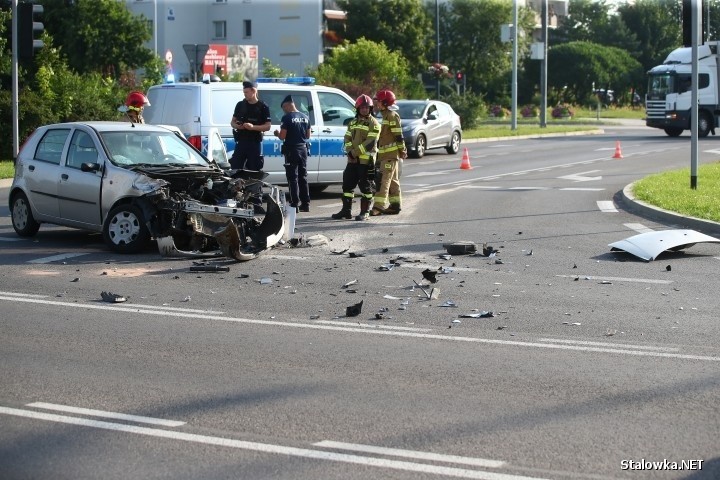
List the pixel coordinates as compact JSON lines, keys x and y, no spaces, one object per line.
{"x":304,"y":207}
{"x":342,"y":214}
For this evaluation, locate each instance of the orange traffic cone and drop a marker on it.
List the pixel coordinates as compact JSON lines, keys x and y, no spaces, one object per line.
{"x":465,"y":164}
{"x":618,"y":150}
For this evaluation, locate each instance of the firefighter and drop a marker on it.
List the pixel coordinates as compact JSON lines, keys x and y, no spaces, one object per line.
{"x":391,"y":151}
{"x":135,"y":102}
{"x":360,"y":145}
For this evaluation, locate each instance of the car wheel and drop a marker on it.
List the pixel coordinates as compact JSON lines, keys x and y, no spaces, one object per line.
{"x":673,"y":131}
{"x":454,"y":146}
{"x":420,"y":146}
{"x":125,"y":230}
{"x":704,"y":125}
{"x":23,"y":221}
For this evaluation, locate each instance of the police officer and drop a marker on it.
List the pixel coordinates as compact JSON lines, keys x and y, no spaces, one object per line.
{"x":391,"y":151}
{"x":361,"y":147}
{"x":250,"y":119}
{"x":294,"y":132}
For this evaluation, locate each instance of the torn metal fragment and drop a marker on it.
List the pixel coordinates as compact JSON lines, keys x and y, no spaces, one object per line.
{"x":430,"y":275}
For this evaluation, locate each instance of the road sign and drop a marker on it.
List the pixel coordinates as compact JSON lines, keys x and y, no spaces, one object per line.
{"x":196,"y":54}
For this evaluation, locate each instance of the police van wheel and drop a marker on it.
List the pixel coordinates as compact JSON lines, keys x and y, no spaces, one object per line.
{"x":673,"y":131}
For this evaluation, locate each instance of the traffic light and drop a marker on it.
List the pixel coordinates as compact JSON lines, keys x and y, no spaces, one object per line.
{"x":28,"y":30}
{"x":459,"y":78}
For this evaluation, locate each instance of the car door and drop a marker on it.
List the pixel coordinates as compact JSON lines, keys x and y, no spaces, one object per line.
{"x":42,"y":173}
{"x":78,"y":191}
{"x":433,"y":125}
{"x":333,"y":114}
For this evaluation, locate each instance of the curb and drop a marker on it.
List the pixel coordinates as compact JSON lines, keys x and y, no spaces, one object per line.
{"x":633,"y":205}
{"x":5,"y":182}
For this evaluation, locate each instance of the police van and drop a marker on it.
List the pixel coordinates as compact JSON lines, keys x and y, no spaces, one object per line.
{"x":197,"y":107}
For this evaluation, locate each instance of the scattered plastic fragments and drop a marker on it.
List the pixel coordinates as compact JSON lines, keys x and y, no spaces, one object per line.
{"x":339,"y":252}
{"x":390,"y":297}
{"x":354,"y":310}
{"x":449,"y":303}
{"x":186,"y":299}
{"x":243,"y":275}
{"x":502,"y":327}
{"x":265,"y":281}
{"x":445,"y":256}
{"x":483,"y":314}
{"x":456,"y":321}
{"x":573,"y":323}
{"x":487,"y":250}
{"x":110,"y":297}
{"x":460,"y":248}
{"x":355,"y":255}
{"x":351,"y":282}
{"x":76,"y":279}
{"x":668,"y":268}
{"x":209,"y":268}
{"x":430,"y":275}
{"x":386,"y":267}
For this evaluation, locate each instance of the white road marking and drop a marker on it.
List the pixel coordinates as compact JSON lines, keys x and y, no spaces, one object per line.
{"x":428,"y":336}
{"x":57,"y":258}
{"x":101,"y":413}
{"x":716,"y":152}
{"x":607,"y":206}
{"x":611,"y":345}
{"x":429,"y":174}
{"x":487,"y":187}
{"x":638,"y":227}
{"x":367,"y":325}
{"x":266,"y":447}
{"x":398,"y":452}
{"x":581,"y":177}
{"x":581,"y":189}
{"x":619,"y":279}
{"x":176,"y":309}
{"x":528,"y":188}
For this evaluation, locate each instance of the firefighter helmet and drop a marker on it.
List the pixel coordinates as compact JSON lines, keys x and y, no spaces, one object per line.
{"x":136,"y":101}
{"x":386,"y":97}
{"x":363,"y":101}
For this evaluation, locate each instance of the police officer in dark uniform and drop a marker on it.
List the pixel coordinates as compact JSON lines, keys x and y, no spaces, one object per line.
{"x":250,"y":119}
{"x":294,"y":132}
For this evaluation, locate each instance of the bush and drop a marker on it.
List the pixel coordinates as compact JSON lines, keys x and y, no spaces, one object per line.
{"x":498,"y":111}
{"x":562,"y":110}
{"x":530,"y":111}
{"x":470,"y":107}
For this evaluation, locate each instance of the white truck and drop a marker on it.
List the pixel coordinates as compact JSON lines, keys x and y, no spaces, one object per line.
{"x":668,"y":98}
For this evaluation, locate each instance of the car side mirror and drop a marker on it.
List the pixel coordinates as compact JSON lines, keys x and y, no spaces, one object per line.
{"x":90,"y":167}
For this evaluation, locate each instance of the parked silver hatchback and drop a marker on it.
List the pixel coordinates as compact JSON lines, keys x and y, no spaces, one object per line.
{"x":133,"y":182}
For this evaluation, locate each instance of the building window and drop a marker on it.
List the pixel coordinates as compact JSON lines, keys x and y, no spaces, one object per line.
{"x":220,"y":29}
{"x":247,"y":28}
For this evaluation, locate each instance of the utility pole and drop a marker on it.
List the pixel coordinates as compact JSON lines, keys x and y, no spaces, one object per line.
{"x":543,"y":65}
{"x":513,"y":116}
{"x":437,"y":46}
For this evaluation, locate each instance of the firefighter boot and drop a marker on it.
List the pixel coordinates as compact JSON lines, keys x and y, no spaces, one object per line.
{"x":364,"y":209}
{"x":393,"y":209}
{"x":345,"y":211}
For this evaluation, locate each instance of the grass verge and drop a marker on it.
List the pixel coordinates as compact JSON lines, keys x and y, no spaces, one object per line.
{"x":671,"y":191}
{"x":7,"y":169}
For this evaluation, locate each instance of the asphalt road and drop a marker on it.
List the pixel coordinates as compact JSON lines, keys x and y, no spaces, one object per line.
{"x":593,"y":365}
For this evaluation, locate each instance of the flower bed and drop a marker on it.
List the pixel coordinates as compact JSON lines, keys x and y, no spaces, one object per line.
{"x":562,"y":110}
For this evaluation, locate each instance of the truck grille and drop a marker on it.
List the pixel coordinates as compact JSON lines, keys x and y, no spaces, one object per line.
{"x":655,"y":109}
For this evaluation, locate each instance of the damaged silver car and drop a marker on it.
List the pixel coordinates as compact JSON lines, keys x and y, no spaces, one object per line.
{"x":135,"y":182}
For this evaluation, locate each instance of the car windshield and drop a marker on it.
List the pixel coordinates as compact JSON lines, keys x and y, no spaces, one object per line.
{"x":130,"y":148}
{"x":411,"y":110}
{"x":661,"y":84}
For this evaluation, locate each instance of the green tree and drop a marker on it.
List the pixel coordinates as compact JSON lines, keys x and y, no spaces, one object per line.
{"x":99,"y":35}
{"x":594,"y":21}
{"x":402,"y":25}
{"x":470,"y":42}
{"x":366,"y":67}
{"x":591,"y":64}
{"x":657,"y":25}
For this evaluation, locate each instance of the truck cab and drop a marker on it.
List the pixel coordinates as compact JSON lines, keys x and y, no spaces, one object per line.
{"x":669,"y":92}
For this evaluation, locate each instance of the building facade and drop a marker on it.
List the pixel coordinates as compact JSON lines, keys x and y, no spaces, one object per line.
{"x":238,"y":34}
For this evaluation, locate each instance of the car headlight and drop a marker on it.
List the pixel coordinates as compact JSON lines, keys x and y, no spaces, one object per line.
{"x":148,"y":185}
